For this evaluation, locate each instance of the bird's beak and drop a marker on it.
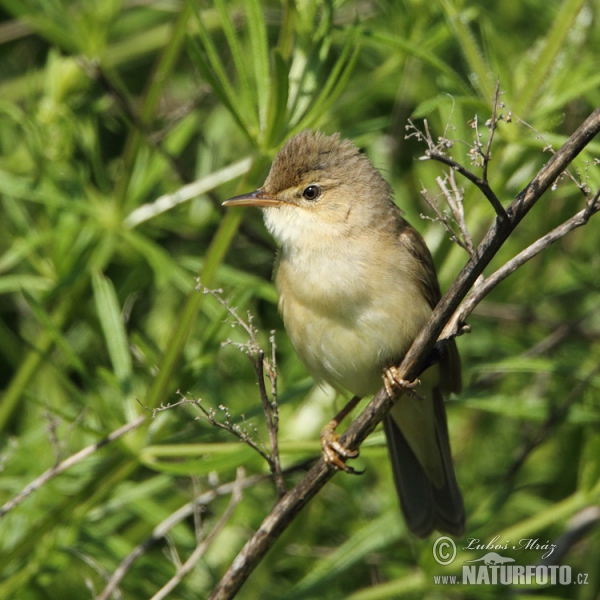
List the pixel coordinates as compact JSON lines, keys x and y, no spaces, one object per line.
{"x":256,"y":198}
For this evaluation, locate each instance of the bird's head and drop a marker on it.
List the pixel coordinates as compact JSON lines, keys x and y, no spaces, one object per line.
{"x":319,"y":185}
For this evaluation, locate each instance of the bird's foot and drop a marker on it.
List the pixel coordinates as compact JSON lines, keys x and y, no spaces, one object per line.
{"x":333,"y":452}
{"x":392,"y":381}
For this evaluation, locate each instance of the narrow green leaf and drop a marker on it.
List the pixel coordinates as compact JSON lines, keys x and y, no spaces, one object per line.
{"x":57,"y":337}
{"x":480,"y":70}
{"x":260,"y":56}
{"x":167,"y":271}
{"x":409,"y":586}
{"x":225,"y":96}
{"x":287,"y":32}
{"x":109,"y":313}
{"x":213,"y":70}
{"x":554,"y":103}
{"x":279,"y":90}
{"x":31,"y":283}
{"x":245,"y":95}
{"x":335,"y":83}
{"x":553,"y":45}
{"x":372,"y":537}
{"x":418,"y":51}
{"x":200,"y":459}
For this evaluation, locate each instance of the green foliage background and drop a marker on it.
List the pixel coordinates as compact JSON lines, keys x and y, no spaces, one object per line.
{"x":106,"y":106}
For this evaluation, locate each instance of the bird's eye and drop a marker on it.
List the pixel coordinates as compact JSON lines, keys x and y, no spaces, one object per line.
{"x":312,"y":192}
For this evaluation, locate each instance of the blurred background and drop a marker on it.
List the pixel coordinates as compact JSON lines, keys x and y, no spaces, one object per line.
{"x":108,"y":110}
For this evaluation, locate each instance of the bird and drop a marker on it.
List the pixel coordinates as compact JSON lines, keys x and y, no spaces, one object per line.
{"x":356,"y":283}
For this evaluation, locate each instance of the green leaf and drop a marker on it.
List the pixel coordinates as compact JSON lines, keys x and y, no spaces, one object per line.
{"x":199,"y":459}
{"x":29,"y":283}
{"x":165,"y":269}
{"x":278,"y":99}
{"x":111,"y":320}
{"x":245,"y":94}
{"x":260,"y":57}
{"x":376,"y":535}
{"x":335,"y":83}
{"x":553,"y":45}
{"x":59,"y":339}
{"x":207,"y":60}
{"x":428,"y":57}
{"x":480,"y":72}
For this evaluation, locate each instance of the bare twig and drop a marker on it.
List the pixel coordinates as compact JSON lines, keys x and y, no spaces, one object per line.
{"x":454,"y":199}
{"x":261,"y":365}
{"x":166,"y":202}
{"x":68,"y":463}
{"x":201,"y":548}
{"x":415,"y":360}
{"x":484,"y":186}
{"x":271,"y":410}
{"x":167,"y":524}
{"x":578,"y":527}
{"x":548,"y":148}
{"x":209,"y":414}
{"x":556,"y":416}
{"x":484,"y":287}
{"x":456,"y":205}
{"x":437,"y":151}
{"x":492,"y":124}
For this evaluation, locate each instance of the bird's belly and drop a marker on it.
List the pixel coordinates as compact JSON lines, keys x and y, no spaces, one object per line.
{"x":348,"y":344}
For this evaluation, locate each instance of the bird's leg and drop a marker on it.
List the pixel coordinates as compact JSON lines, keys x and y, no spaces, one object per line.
{"x":333,"y":451}
{"x":392,"y":380}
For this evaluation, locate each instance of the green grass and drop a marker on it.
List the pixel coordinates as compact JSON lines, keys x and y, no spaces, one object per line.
{"x":106,"y":107}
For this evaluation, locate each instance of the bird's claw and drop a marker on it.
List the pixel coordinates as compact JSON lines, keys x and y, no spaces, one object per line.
{"x":392,"y":381}
{"x":333,"y":452}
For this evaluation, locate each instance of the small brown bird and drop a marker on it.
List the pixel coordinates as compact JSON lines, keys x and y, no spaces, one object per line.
{"x":356,"y":283}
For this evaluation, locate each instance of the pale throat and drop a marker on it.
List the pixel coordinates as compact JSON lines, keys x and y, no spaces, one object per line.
{"x":321,"y":258}
{"x":297,"y":229}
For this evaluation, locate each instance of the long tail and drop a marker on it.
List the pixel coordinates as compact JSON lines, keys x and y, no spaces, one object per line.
{"x":426,"y":505}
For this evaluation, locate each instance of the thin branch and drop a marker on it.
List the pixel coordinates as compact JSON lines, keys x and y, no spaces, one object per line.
{"x":578,"y":527}
{"x":163,"y":528}
{"x":201,"y":548}
{"x":68,"y":463}
{"x":260,"y":364}
{"x":454,"y":199}
{"x":271,"y":410}
{"x":166,"y":202}
{"x":483,"y":185}
{"x":457,"y":207}
{"x":548,"y":148}
{"x":484,"y":287}
{"x":493,"y":124}
{"x":438,"y":152}
{"x":415,"y":360}
{"x":209,"y":415}
{"x":554,"y":418}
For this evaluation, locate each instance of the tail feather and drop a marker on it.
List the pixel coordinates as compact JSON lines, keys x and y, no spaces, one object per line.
{"x":425,"y":506}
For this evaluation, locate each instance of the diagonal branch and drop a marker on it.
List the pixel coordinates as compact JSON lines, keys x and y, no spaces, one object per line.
{"x":483,"y":288}
{"x":201,"y":548}
{"x":412,"y":365}
{"x":482,"y":184}
{"x":163,"y":528}
{"x":67,"y":464}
